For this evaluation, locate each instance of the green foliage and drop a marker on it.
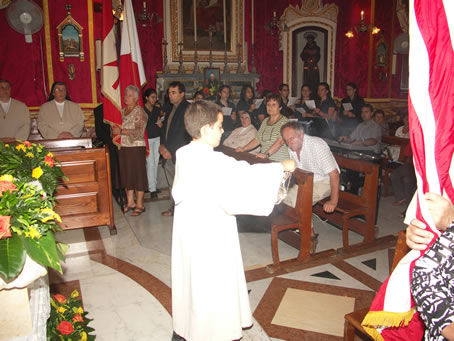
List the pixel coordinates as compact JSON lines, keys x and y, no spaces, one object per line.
{"x":27,"y":218}
{"x":68,"y":320}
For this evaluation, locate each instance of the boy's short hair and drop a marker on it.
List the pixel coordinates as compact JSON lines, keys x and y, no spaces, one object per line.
{"x":199,"y":114}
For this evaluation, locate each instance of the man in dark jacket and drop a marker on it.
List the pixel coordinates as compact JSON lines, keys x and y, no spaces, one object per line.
{"x":173,"y":133}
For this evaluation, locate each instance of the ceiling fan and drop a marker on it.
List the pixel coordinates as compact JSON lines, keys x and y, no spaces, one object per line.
{"x":25,"y":17}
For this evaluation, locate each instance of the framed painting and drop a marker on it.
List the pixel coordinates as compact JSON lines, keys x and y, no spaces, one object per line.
{"x":212,"y":75}
{"x":70,"y":38}
{"x":208,"y":19}
{"x":188,"y":21}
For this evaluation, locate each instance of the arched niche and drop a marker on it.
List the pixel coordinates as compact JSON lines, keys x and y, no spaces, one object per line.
{"x":295,"y":23}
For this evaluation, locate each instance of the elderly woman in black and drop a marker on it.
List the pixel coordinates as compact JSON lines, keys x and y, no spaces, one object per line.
{"x":133,"y":174}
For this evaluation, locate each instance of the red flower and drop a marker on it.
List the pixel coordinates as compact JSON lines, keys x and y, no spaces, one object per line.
{"x":27,"y":143}
{"x":65,"y":327}
{"x":5,"y":232}
{"x":60,"y":298}
{"x":78,"y":318}
{"x":49,"y":161}
{"x":6,"y":185}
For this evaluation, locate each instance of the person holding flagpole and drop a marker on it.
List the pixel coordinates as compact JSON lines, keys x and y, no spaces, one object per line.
{"x":133,"y":173}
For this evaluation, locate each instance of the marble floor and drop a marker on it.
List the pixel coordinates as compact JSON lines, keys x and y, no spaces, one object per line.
{"x":125,"y":282}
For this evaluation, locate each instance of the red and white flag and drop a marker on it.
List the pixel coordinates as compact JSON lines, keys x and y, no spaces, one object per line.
{"x":131,"y":65}
{"x":110,"y":77}
{"x":431,"y":113}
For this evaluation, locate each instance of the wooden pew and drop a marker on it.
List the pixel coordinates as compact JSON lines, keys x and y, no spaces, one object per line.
{"x":298,"y":218}
{"x":351,"y":206}
{"x":85,"y":198}
{"x":387,"y":168}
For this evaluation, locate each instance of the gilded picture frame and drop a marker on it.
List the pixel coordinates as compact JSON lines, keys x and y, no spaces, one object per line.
{"x":70,"y":38}
{"x":177,"y":22}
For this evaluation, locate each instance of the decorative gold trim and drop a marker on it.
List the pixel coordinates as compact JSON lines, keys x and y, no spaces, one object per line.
{"x":390,"y":52}
{"x":50,"y":71}
{"x":312,"y":12}
{"x":91,"y":41}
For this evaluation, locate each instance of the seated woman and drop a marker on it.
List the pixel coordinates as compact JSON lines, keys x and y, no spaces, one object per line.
{"x":246,"y":102}
{"x":242,"y":135}
{"x":133,"y":173}
{"x":269,"y":137}
{"x":404,"y":132}
{"x":302,"y":110}
{"x":350,"y":118}
{"x":325,"y":106}
{"x":198,"y":96}
{"x":59,"y":118}
{"x":230,"y":121}
{"x":287,"y":111}
{"x":260,"y":113}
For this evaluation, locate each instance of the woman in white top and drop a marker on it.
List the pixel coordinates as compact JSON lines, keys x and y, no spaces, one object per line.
{"x":242,"y":135}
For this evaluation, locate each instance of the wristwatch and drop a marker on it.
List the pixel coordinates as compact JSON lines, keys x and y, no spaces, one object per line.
{"x":267,"y":154}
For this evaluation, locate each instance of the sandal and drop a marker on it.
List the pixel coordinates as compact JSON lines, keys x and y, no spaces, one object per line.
{"x":128,"y":208}
{"x":314,"y":242}
{"x":138,"y":211}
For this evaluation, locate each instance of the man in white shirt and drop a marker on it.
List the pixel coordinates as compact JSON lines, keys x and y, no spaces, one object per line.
{"x":312,"y":154}
{"x":14,"y":115}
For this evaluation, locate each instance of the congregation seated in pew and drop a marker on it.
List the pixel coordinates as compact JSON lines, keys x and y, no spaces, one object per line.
{"x":350,"y":110}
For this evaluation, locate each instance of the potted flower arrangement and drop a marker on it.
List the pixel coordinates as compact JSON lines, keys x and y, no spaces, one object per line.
{"x":29,"y":175}
{"x":67,"y":320}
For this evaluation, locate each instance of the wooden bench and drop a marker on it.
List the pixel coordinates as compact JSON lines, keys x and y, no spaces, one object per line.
{"x":386,"y":166}
{"x":288,"y":220}
{"x":351,"y":206}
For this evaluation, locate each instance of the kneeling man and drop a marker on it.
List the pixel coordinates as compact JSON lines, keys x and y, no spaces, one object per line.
{"x":209,"y":294}
{"x":312,"y":154}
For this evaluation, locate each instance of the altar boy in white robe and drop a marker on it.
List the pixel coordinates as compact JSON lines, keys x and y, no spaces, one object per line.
{"x":209,"y":295}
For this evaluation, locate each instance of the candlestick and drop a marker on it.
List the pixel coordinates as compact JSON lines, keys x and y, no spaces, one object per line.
{"x":195,"y":19}
{"x":252,"y":22}
{"x":225,"y":24}
{"x":362,"y":15}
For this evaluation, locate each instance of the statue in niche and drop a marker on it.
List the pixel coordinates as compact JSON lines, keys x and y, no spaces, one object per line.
{"x":311,"y":57}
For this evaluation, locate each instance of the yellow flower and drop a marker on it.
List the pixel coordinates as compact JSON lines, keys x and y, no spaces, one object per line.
{"x":30,"y":155}
{"x":83,"y":336}
{"x":20,"y":147}
{"x":74,"y":294}
{"x":80,"y":310}
{"x":7,"y":145}
{"x":7,"y":177}
{"x":33,"y":233}
{"x":61,"y":310}
{"x":37,"y":172}
{"x":50,"y":154}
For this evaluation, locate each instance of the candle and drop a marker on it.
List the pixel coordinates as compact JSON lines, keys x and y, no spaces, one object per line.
{"x":144,"y":4}
{"x":225,"y":24}
{"x":195,"y":20}
{"x":252,"y":22}
{"x":362,"y":15}
{"x":274,"y":14}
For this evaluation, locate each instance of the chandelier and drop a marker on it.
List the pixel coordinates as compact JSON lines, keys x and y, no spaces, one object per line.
{"x":362,"y":27}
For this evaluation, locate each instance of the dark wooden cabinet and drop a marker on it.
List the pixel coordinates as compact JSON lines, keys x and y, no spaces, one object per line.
{"x":85,"y":198}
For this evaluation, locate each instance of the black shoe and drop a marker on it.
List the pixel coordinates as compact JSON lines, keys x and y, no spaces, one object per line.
{"x":176,"y":337}
{"x":154,"y":195}
{"x":158,"y":191}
